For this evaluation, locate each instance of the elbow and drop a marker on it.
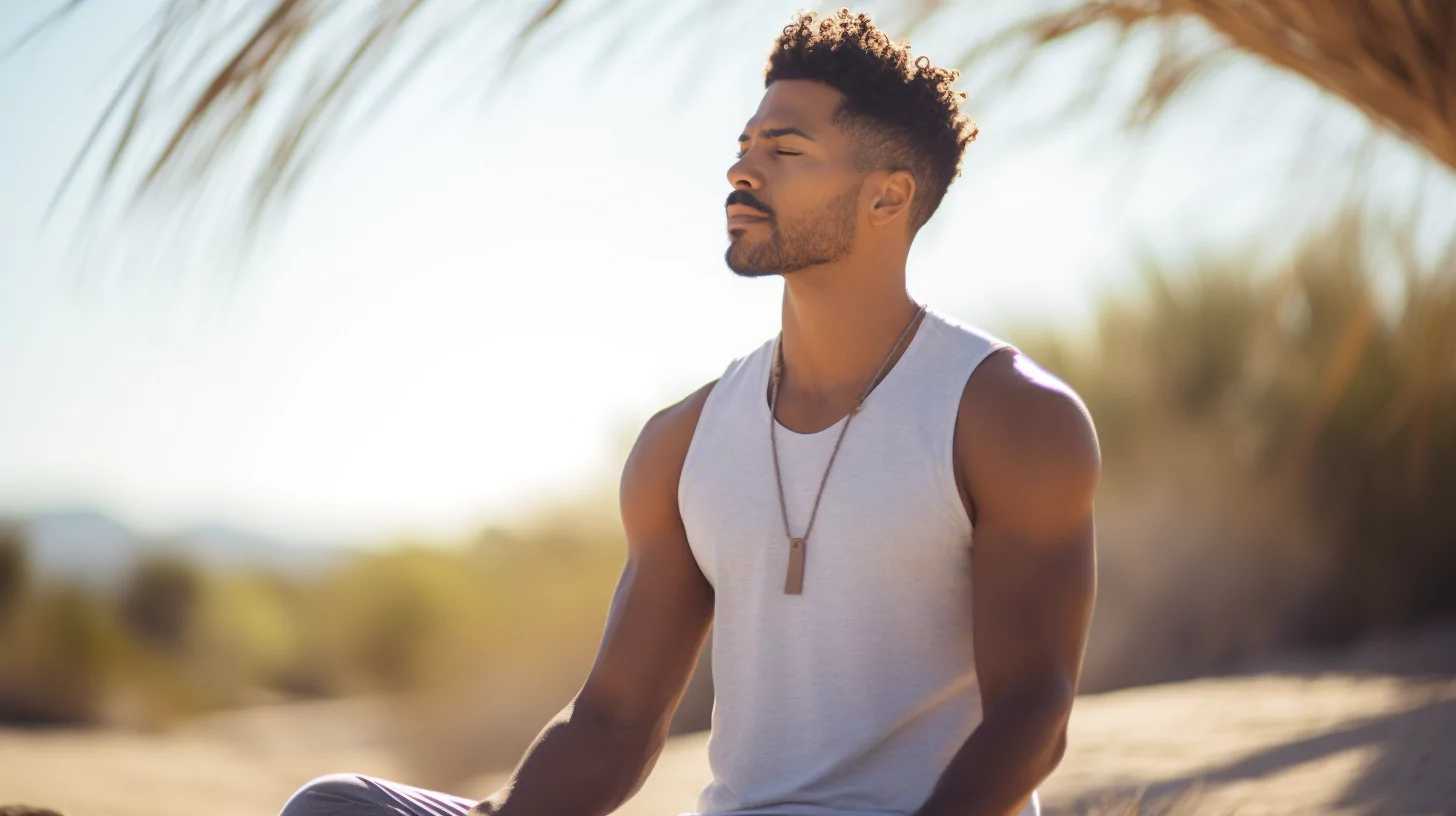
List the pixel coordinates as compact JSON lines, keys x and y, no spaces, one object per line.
{"x":1057,"y":714}
{"x":1057,"y":750}
{"x":1042,"y":754}
{"x":1041,"y":716}
{"x":1057,"y":705}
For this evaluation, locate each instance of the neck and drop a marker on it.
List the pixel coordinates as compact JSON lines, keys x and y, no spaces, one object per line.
{"x":840,"y":321}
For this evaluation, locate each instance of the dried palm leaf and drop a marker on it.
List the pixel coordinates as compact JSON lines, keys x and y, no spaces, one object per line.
{"x":1395,"y":60}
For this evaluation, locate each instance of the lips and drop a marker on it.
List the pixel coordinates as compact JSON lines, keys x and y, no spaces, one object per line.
{"x":741,"y":216}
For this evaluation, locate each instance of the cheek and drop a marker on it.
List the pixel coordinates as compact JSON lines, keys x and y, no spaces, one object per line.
{"x":804,"y":190}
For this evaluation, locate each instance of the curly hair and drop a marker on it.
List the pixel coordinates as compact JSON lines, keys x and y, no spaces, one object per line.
{"x":900,"y":113}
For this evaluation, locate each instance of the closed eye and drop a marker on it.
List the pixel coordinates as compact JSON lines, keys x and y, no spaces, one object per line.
{"x":740,"y":154}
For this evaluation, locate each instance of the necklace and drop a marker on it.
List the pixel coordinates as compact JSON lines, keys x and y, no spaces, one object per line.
{"x":794,"y":581}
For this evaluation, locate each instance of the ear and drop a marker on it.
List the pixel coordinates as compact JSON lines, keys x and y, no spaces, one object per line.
{"x":892,"y":197}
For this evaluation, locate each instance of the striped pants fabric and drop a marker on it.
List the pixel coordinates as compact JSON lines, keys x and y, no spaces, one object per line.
{"x":359,"y":795}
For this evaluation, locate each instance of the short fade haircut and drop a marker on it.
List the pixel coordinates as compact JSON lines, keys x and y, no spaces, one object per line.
{"x":901,"y":114}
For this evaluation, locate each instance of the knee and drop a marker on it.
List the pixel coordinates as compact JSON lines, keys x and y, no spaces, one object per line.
{"x":325,"y":794}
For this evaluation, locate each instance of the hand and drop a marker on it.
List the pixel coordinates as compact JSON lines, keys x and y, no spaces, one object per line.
{"x":489,"y":806}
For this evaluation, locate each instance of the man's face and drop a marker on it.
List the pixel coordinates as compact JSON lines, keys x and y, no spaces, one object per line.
{"x":795,"y":191}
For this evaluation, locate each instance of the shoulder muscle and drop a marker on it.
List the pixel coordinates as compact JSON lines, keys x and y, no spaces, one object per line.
{"x":648,"y":490}
{"x":1026,"y":447}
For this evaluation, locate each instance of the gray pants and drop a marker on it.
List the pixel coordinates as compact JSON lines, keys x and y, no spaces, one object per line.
{"x":357,"y":795}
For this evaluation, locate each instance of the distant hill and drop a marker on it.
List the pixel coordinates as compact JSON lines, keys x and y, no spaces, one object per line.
{"x":220,"y":547}
{"x":84,"y":546}
{"x":93,"y":549}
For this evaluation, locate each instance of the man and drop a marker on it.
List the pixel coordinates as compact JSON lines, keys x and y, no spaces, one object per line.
{"x":867,"y":659}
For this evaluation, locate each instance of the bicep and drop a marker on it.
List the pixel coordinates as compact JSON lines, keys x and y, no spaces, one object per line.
{"x":662,"y":606}
{"x":1031,"y":603}
{"x":1033,"y":566}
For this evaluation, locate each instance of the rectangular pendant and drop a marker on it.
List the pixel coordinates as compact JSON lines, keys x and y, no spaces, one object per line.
{"x":794,"y":582}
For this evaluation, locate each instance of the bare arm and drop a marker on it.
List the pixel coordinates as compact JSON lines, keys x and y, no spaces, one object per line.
{"x":596,"y":753}
{"x":1030,"y":463}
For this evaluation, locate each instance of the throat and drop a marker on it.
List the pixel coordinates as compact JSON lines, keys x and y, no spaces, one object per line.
{"x":808,"y":415}
{"x":810,"y":412}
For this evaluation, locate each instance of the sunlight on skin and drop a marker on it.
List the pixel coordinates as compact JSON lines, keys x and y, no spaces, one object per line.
{"x":1041,"y":377}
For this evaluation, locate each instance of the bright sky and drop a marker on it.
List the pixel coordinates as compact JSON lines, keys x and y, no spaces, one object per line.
{"x":468,"y":309}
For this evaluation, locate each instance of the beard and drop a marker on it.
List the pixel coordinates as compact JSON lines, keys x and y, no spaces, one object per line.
{"x":819,"y":237}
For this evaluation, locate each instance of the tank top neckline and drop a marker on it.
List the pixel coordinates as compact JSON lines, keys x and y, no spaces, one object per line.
{"x":767,"y":368}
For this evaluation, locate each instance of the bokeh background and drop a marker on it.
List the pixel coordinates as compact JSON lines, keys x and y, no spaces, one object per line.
{"x":325,"y":329}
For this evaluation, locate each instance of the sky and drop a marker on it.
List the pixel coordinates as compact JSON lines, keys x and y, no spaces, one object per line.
{"x":470,"y":308}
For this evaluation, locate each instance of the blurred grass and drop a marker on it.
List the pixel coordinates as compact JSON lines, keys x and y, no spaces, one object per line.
{"x":405,"y":618}
{"x":1279,"y":442}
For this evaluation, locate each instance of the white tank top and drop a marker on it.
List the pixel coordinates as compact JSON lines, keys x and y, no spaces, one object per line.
{"x":851,"y":698}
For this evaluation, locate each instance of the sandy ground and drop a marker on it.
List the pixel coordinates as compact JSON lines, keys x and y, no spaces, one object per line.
{"x":1370,"y":731}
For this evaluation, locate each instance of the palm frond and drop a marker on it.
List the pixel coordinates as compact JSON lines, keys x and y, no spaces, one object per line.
{"x":1394,"y":60}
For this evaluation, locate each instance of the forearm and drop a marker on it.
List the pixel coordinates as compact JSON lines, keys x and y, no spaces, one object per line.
{"x":580,"y":764}
{"x":1012,"y":750}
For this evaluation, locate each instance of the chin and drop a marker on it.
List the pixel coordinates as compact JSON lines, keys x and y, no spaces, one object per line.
{"x":739,"y":257}
{"x":750,"y":272}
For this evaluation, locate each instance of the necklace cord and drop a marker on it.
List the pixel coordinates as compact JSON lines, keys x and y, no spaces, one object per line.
{"x":777,"y":374}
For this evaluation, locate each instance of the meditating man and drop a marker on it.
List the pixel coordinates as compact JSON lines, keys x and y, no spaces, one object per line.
{"x":816,"y":504}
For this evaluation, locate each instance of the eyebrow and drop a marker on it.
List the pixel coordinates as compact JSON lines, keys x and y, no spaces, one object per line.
{"x":777,"y":132}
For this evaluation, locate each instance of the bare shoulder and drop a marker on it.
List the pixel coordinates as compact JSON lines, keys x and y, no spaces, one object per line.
{"x":1025,"y":441}
{"x":652,"y":470}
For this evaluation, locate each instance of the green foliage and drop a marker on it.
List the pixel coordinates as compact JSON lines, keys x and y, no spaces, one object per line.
{"x":58,"y":655}
{"x":58,"y":645}
{"x":432,"y":623}
{"x":160,"y":602}
{"x":380,"y":620}
{"x":12,"y":569}
{"x":1279,"y":449}
{"x":247,"y":636}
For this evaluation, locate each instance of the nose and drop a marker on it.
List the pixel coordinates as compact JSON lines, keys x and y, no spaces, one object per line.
{"x":743,"y":175}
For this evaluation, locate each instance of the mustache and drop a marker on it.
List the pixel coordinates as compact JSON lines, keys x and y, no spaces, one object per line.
{"x":747,"y":199}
